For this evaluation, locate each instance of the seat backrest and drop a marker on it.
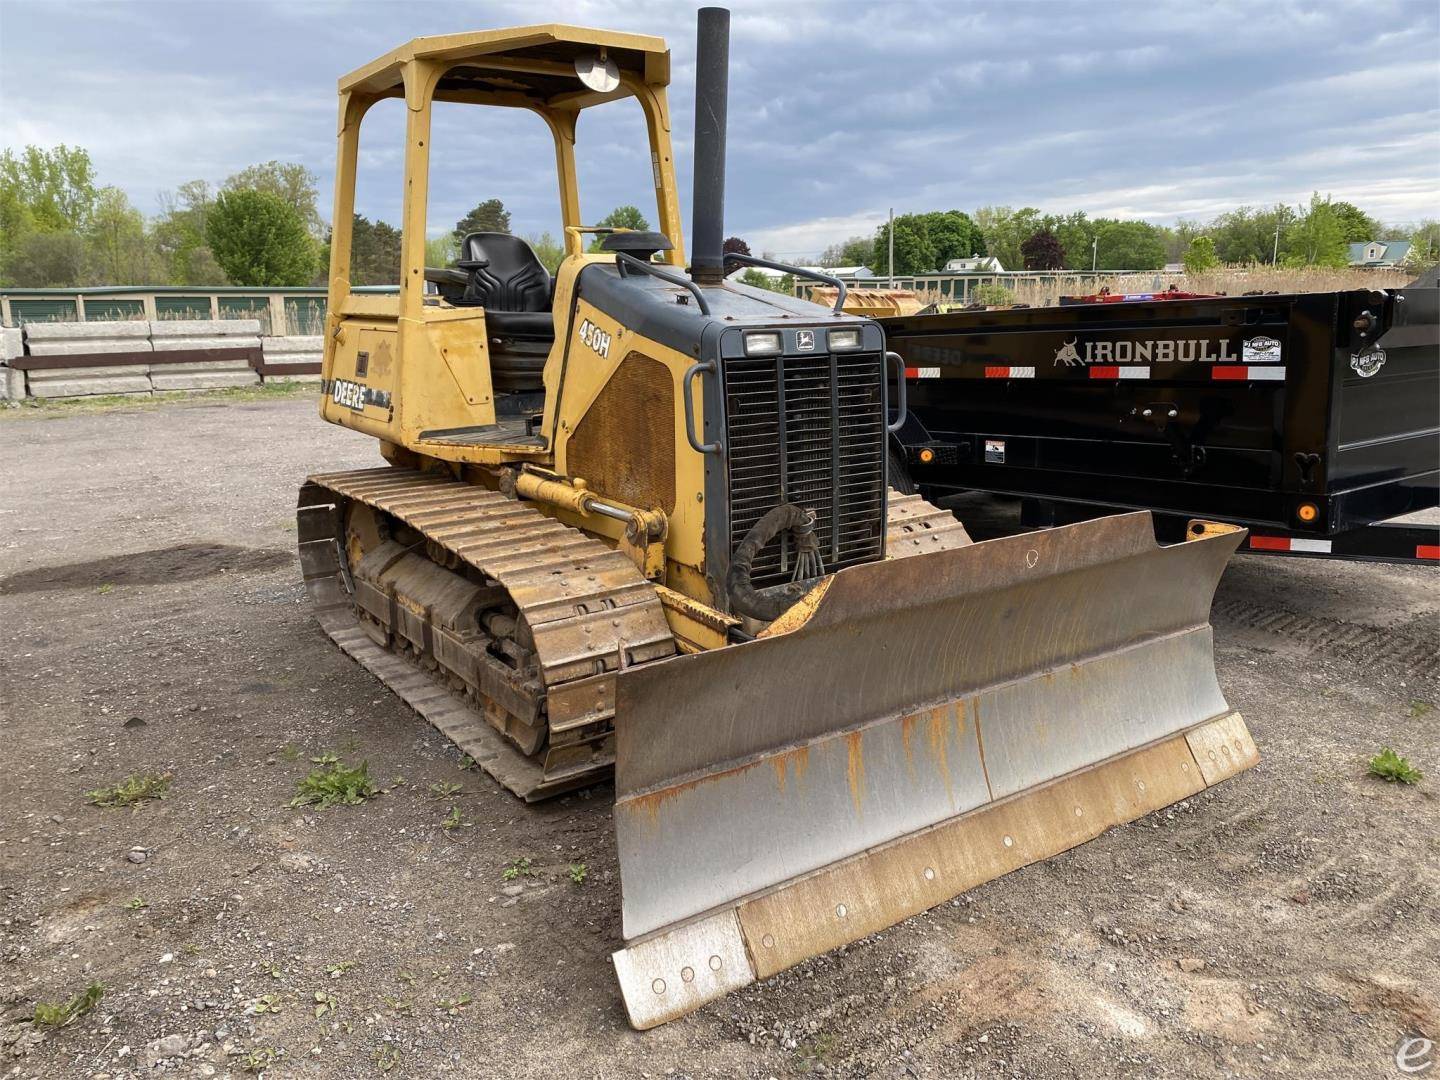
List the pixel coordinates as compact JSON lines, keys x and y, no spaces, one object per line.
{"x":515,"y":280}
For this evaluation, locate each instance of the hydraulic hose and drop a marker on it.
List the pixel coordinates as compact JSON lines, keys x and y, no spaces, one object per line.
{"x":767,"y":606}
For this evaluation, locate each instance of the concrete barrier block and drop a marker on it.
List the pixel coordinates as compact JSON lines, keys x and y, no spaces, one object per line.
{"x":174,"y":335}
{"x":12,"y":382}
{"x":209,"y":375}
{"x":68,"y":339}
{"x":295,"y":350}
{"x":88,"y":382}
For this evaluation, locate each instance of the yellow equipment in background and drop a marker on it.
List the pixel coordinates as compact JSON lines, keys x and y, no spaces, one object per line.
{"x":638,"y":517}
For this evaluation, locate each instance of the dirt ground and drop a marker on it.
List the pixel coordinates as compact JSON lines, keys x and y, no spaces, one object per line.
{"x":1286,"y":923}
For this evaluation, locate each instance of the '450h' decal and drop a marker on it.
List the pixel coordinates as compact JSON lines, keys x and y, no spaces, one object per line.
{"x":595,"y":338}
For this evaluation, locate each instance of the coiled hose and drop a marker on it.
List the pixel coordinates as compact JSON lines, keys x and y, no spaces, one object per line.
{"x":767,"y":606}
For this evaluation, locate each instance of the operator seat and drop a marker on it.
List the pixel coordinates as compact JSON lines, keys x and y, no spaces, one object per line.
{"x":505,"y":276}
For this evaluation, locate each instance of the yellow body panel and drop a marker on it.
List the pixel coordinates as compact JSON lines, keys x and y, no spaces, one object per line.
{"x":414,"y":372}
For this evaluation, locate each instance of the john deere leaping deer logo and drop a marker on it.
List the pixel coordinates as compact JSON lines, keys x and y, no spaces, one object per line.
{"x":1067,"y":355}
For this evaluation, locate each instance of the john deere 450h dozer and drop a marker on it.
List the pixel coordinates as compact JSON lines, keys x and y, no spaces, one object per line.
{"x":638,"y":517}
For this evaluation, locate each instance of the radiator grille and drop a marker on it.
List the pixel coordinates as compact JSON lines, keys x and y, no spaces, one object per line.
{"x":808,"y":430}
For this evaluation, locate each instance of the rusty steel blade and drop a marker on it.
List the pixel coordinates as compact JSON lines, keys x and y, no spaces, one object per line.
{"x":915,"y":691}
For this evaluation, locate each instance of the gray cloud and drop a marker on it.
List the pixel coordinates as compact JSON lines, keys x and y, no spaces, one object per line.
{"x":838,"y":110}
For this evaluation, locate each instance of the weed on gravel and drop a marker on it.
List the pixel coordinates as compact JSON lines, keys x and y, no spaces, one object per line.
{"x":131,"y":790}
{"x":1392,"y":768}
{"x":59,"y":1016}
{"x":334,"y":783}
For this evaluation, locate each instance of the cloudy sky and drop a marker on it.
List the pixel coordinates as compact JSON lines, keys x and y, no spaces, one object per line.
{"x":838,"y":111}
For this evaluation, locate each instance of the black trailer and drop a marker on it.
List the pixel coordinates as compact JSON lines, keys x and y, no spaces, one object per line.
{"x":1313,"y":418}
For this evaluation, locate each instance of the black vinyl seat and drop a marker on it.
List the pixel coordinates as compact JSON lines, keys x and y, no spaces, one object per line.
{"x":505,"y":274}
{"x":502,"y":274}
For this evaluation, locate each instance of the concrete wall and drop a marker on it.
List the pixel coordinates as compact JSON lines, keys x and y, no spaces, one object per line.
{"x":12,"y":382}
{"x":280,"y":351}
{"x":157,"y":338}
{"x":76,"y":339}
{"x":186,"y":335}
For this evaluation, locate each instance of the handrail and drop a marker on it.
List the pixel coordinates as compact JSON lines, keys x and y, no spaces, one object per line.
{"x":900,"y":405}
{"x":696,"y":368}
{"x":814,"y":275}
{"x":622,"y":259}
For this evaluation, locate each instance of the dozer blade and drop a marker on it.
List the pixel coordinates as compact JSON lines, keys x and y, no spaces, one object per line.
{"x":909,"y":730}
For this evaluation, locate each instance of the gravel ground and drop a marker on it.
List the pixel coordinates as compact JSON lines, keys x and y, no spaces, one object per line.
{"x":151,"y":622}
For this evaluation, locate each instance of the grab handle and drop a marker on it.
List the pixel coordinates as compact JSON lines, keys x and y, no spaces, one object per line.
{"x":900,"y":415}
{"x":700,"y":448}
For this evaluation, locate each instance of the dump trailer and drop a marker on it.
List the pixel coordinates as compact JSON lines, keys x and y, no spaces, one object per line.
{"x":634,"y":520}
{"x":1312,"y":419}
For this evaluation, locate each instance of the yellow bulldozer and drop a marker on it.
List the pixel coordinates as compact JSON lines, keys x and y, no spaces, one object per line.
{"x":640,"y":517}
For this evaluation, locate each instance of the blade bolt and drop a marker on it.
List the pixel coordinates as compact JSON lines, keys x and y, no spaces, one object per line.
{"x":841,"y":911}
{"x":715,"y":962}
{"x":658,"y":986}
{"x":687,"y":974}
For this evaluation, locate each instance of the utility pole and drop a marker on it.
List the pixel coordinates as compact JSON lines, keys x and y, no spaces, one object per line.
{"x":890,"y":234}
{"x":1275,"y":255}
{"x":1094,"y":253}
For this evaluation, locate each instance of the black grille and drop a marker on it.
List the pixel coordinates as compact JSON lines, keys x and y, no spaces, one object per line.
{"x":809,"y":430}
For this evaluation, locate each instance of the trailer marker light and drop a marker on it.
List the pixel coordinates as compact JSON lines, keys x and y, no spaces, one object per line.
{"x":1307,"y":512}
{"x":926,"y":456}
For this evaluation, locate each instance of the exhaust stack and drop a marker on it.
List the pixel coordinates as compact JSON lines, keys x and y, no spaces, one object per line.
{"x":712,"y":77}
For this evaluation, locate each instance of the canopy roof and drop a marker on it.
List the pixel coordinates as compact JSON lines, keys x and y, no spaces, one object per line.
{"x":535,"y":62}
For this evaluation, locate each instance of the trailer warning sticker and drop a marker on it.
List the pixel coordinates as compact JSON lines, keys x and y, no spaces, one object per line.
{"x":995,"y":451}
{"x":1260,"y":350}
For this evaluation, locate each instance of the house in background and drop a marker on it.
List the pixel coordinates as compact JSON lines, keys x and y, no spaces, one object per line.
{"x":1379,"y":254}
{"x":844,"y":273}
{"x":976,"y":264}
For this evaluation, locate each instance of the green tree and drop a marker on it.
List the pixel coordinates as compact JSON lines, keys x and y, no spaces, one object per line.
{"x":1358,"y":226}
{"x":260,"y":239}
{"x":42,"y":191}
{"x":1317,"y":238}
{"x":178,"y":235}
{"x":622,"y":217}
{"x":48,"y":260}
{"x":1247,"y":234}
{"x":1200,"y":256}
{"x":953,"y":235}
{"x":1042,"y":251}
{"x":548,"y":250}
{"x":57,"y":187}
{"x":856,"y":251}
{"x":374,"y":253}
{"x":1076,"y":232}
{"x":488,"y":216}
{"x":119,"y":250}
{"x":1006,"y":230}
{"x":1424,"y":246}
{"x":289,"y":181}
{"x":1128,"y":245}
{"x":440,"y":250}
{"x":914,"y":251}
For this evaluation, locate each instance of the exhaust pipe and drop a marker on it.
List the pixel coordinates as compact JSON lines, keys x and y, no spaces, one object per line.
{"x":712,"y":77}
